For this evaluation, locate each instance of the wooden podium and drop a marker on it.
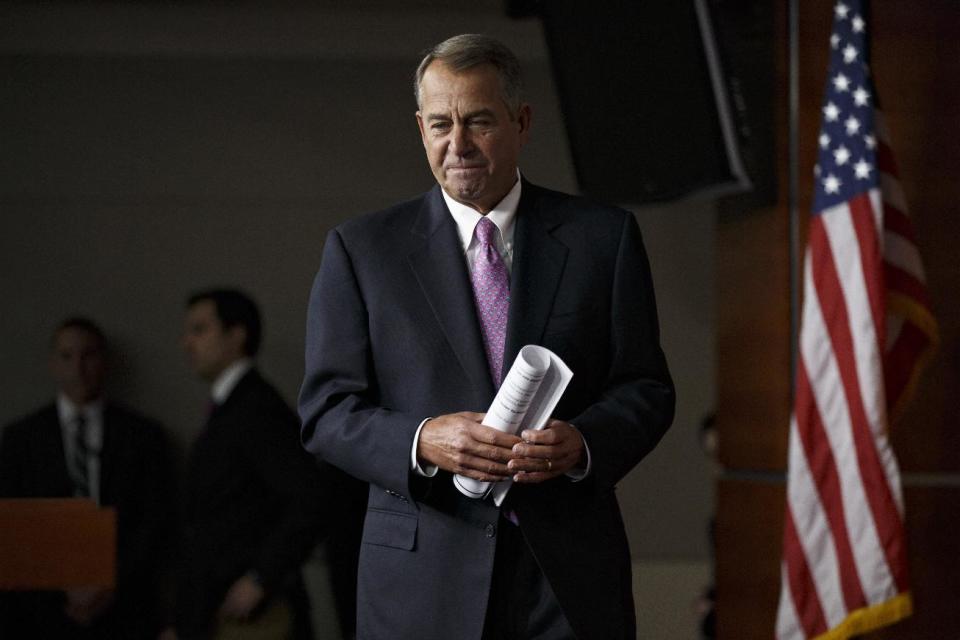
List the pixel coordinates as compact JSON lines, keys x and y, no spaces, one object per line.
{"x":56,"y":543}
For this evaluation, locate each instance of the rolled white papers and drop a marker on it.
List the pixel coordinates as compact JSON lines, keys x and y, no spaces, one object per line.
{"x":527,"y":397}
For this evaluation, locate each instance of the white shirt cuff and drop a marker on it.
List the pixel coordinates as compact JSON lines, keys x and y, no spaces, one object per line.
{"x":429,"y":470}
{"x":575,"y":474}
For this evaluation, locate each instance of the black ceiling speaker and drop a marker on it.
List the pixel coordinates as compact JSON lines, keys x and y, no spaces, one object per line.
{"x":647,"y":99}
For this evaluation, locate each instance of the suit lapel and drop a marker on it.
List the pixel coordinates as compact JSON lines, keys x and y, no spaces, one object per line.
{"x":52,"y":455}
{"x":440,"y":269}
{"x":538,"y":261}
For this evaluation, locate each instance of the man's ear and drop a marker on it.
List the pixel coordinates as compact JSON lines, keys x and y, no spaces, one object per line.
{"x":237,"y":334}
{"x":423,"y":134}
{"x":524,"y":120}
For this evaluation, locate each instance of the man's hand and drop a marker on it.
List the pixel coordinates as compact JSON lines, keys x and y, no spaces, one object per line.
{"x":548,"y":453}
{"x":458,"y":443}
{"x":242,"y":598}
{"x":86,"y":604}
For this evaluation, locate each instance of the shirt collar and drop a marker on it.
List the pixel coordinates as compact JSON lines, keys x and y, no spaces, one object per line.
{"x":68,"y":411}
{"x":503,"y":215}
{"x":224,"y":384}
{"x":92,"y":412}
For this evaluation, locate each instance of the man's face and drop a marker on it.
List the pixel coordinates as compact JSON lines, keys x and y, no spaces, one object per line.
{"x":471,"y":137}
{"x":78,"y":364}
{"x":210,"y":347}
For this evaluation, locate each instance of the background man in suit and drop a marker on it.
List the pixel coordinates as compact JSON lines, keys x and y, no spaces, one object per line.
{"x":255,"y":503}
{"x":415,"y":315}
{"x":82,"y":445}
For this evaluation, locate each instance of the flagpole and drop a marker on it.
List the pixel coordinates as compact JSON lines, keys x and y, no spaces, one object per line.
{"x":793,"y":162}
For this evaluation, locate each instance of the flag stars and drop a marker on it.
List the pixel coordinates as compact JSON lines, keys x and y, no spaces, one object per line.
{"x":870,"y":141}
{"x":858,"y":24}
{"x":824,"y":141}
{"x":841,"y":11}
{"x":841,"y":83}
{"x":861,"y":97}
{"x":862,"y":169}
{"x":834,"y":41}
{"x":841,"y":155}
{"x":831,"y":112}
{"x":852,"y":125}
{"x":816,"y":170}
{"x":831,"y":184}
{"x":850,"y":53}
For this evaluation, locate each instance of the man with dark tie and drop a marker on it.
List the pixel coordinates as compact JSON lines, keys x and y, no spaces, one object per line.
{"x":255,"y":502}
{"x":85,"y":446}
{"x":415,"y":316}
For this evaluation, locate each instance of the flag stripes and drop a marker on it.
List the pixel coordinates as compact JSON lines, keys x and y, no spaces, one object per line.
{"x":866,"y":328}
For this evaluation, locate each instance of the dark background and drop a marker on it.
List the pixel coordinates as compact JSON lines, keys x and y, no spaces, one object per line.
{"x":150,"y":149}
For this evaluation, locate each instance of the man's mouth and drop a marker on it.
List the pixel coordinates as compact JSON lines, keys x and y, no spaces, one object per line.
{"x":466,"y":169}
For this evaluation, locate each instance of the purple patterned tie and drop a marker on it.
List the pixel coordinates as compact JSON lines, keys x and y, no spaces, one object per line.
{"x":491,"y":292}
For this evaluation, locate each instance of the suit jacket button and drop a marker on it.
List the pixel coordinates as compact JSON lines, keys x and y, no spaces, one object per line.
{"x":491,"y":531}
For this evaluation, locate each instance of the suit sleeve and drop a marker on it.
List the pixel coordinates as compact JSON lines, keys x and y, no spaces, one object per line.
{"x":637,"y":403}
{"x":342,"y":421}
{"x":299,"y":483}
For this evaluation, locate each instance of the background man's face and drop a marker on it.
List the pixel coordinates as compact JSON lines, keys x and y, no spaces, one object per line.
{"x":210,"y":347}
{"x":78,"y":364}
{"x":471,"y":138}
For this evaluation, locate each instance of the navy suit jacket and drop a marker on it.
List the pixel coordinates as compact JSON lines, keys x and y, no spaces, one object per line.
{"x":393,"y":337}
{"x":254,"y":501}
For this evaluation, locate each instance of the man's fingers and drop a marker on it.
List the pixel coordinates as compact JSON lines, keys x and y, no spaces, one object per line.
{"x":543,"y":436}
{"x":535,"y":470}
{"x":555,"y":432}
{"x":522,"y":450}
{"x":558,"y":439}
{"x":559,"y":464}
{"x":479,"y":468}
{"x":542,"y":451}
{"x":460,"y":444}
{"x":491,"y":436}
{"x":546,"y":454}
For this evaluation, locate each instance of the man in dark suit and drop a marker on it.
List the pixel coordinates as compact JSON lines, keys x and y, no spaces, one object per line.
{"x":84,"y":446}
{"x":256,"y":502}
{"x":416,"y":314}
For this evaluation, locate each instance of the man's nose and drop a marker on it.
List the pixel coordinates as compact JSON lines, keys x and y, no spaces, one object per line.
{"x":461,"y":143}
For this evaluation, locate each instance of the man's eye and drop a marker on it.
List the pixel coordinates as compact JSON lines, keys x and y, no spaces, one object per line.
{"x":440,"y":126}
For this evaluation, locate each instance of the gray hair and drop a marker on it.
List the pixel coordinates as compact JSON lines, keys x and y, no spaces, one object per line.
{"x":469,"y":50}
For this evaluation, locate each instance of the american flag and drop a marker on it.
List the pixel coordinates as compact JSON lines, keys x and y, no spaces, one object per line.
{"x":866,"y":329}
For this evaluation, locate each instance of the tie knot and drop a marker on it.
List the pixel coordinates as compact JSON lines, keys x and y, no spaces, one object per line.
{"x":484,"y":231}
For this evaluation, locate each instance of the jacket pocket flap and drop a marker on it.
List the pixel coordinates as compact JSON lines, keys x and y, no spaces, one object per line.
{"x":390,"y":529}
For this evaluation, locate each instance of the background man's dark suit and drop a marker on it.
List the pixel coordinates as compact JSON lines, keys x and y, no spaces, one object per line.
{"x":254,"y":501}
{"x":393,"y":337}
{"x":136,"y":478}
